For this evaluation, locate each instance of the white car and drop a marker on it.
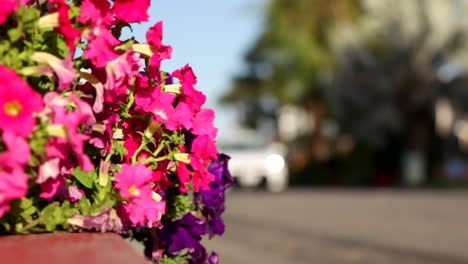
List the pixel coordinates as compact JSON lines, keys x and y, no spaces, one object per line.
{"x":253,"y":163}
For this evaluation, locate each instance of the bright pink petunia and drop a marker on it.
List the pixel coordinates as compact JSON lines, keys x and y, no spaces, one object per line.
{"x":204,"y":151}
{"x":184,"y":175}
{"x":13,"y":185}
{"x":131,"y":10}
{"x":121,"y":71}
{"x":142,"y":209}
{"x":101,"y":47}
{"x":194,"y":98}
{"x":50,"y":187}
{"x":201,"y":177}
{"x":59,"y":147}
{"x":18,"y":151}
{"x":48,"y":169}
{"x":174,"y":118}
{"x":70,"y":34}
{"x":154,"y":37}
{"x":96,"y":12}
{"x":134,"y":180}
{"x":7,"y":7}
{"x":18,"y":102}
{"x":204,"y":147}
{"x":143,"y":212}
{"x":203,"y":123}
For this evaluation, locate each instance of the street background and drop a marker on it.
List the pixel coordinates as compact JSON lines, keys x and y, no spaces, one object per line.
{"x":344,"y":226}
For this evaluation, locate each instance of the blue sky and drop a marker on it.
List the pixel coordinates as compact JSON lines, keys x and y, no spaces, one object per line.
{"x":212,"y":36}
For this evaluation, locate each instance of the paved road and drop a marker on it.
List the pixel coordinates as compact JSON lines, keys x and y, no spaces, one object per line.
{"x":342,"y":226}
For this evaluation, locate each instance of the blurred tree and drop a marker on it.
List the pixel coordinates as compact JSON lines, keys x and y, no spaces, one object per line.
{"x":292,"y":57}
{"x":377,"y":66}
{"x":392,"y":67}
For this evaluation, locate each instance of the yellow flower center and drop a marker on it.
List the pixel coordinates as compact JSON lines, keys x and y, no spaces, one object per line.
{"x":134,"y":190}
{"x":13,"y":108}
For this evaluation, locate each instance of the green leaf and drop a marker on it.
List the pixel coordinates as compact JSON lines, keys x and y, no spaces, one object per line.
{"x":84,"y":206}
{"x":118,"y":148}
{"x":125,"y":46}
{"x":85,"y":178}
{"x":14,"y":34}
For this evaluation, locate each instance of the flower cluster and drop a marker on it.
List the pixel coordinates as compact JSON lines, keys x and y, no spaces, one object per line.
{"x":94,"y":136}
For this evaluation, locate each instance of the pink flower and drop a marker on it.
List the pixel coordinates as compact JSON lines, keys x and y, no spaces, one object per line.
{"x":204,"y":147}
{"x":101,"y":47}
{"x":121,"y":71}
{"x":201,"y":177}
{"x":13,"y":185}
{"x":194,"y":98}
{"x":7,"y":7}
{"x":47,"y":170}
{"x":134,"y":181}
{"x":143,"y":212}
{"x":184,"y":175}
{"x":154,"y":37}
{"x":96,"y":12}
{"x":50,"y":187}
{"x":204,"y":151}
{"x":59,"y":147}
{"x":203,"y":123}
{"x":18,"y":152}
{"x":70,"y":34}
{"x":131,"y":10}
{"x":163,"y":111}
{"x":18,"y":102}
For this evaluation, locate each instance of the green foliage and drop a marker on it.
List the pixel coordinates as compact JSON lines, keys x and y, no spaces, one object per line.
{"x":119,"y":149}
{"x":173,"y":259}
{"x":178,"y":206}
{"x":85,"y":178}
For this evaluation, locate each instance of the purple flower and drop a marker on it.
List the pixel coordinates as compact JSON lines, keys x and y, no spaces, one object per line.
{"x":213,"y":259}
{"x":213,"y":200}
{"x":180,"y":234}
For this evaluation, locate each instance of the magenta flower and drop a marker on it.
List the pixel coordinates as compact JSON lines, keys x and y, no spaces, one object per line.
{"x":131,"y":10}
{"x":203,"y":123}
{"x":194,"y":98}
{"x":143,"y":212}
{"x":204,"y":148}
{"x":51,"y":187}
{"x":163,"y":111}
{"x":134,"y":180}
{"x":154,"y":38}
{"x":59,"y":147}
{"x":13,"y":185}
{"x":142,"y":209}
{"x":48,"y":169}
{"x":7,"y":7}
{"x":121,"y":71}
{"x":204,"y":151}
{"x":18,"y":152}
{"x":96,"y":12}
{"x":18,"y":102}
{"x":70,"y":34}
{"x":101,"y":47}
{"x":184,"y":175}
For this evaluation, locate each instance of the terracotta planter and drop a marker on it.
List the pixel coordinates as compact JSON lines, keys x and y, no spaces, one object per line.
{"x":69,"y":248}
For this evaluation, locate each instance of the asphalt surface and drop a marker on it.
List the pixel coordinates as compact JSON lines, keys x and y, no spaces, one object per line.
{"x":344,"y":226}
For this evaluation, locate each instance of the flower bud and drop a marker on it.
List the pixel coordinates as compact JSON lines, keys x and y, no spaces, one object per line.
{"x":49,"y":21}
